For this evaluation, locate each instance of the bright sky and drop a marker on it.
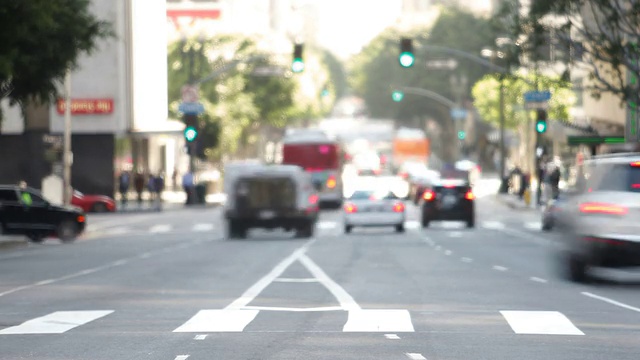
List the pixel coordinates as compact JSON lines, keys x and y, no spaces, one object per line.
{"x":347,"y":25}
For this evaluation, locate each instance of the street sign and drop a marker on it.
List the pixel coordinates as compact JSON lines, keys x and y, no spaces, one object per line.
{"x":537,"y":96}
{"x":542,"y":105}
{"x":191,"y":108}
{"x":458,"y":113}
{"x":190,"y":94}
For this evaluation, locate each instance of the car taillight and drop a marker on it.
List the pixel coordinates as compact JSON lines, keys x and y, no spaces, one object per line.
{"x":635,"y":164}
{"x":350,"y":208}
{"x":602,"y":208}
{"x":331,"y":182}
{"x":404,"y":175}
{"x":398,"y":207}
{"x":469,"y":195}
{"x":81,"y":219}
{"x":428,"y":195}
{"x":313,"y":199}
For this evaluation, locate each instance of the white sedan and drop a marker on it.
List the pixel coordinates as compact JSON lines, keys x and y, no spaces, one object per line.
{"x":369,"y":208}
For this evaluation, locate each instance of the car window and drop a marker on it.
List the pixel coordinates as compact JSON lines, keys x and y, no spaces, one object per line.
{"x":37,"y":199}
{"x":361,"y":195}
{"x":8,"y":195}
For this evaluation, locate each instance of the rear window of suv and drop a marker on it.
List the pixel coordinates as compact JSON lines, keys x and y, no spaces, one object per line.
{"x":617,"y":177}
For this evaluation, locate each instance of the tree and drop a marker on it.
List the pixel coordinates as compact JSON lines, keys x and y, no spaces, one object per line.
{"x":601,"y":36}
{"x":486,"y":97}
{"x":39,"y":41}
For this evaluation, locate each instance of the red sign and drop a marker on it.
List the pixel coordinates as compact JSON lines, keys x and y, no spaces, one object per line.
{"x":87,"y":106}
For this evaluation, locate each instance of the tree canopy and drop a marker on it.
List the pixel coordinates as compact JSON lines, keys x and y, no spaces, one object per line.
{"x":39,"y":41}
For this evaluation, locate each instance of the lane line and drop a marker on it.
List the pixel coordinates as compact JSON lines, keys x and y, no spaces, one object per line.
{"x":296,"y":280}
{"x":415,"y":356}
{"x":275,"y":273}
{"x":494,"y":225}
{"x":392,"y":336}
{"x":218,"y":321}
{"x":292,"y":309}
{"x":200,"y":337}
{"x":540,"y":323}
{"x":55,"y":323}
{"x":448,"y":252}
{"x":162,"y":228}
{"x":438,"y":248}
{"x":346,"y":301}
{"x":455,"y":234}
{"x":203,"y":227}
{"x":378,"y":321}
{"x":466,"y":259}
{"x":537,"y":279}
{"x":499,"y":268}
{"x":611,"y":301}
{"x":182,"y":357}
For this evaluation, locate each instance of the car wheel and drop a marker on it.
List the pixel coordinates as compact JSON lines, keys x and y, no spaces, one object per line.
{"x":35,"y":237}
{"x":575,"y":268}
{"x":425,"y":222}
{"x":305,"y":231}
{"x":235,"y":230}
{"x":348,"y":228}
{"x":400,"y":228}
{"x":100,"y":207}
{"x":471,"y":222}
{"x":67,"y":231}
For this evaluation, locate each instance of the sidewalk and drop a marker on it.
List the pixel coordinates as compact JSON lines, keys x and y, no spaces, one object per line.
{"x":171,"y":200}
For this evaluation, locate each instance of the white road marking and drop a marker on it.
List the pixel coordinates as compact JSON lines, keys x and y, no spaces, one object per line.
{"x":438,"y":248}
{"x":182,"y":357}
{"x":261,"y":284}
{"x":55,"y":323}
{"x":119,"y":230}
{"x":378,"y":321}
{"x":499,"y":268}
{"x":326,"y":225}
{"x":119,"y":262}
{"x":162,"y":228}
{"x":533,"y":225}
{"x":448,"y":252}
{"x":343,"y":297}
{"x":292,"y":309}
{"x":455,"y":234}
{"x":296,"y":280}
{"x":200,"y":337}
{"x":415,"y":356}
{"x":145,"y":255}
{"x":392,"y":336}
{"x":540,"y":323}
{"x":611,"y":301}
{"x":412,"y":224}
{"x":537,"y":279}
{"x":45,"y":282}
{"x":492,"y":225}
{"x":451,"y":225}
{"x":466,"y":259}
{"x":202,"y":227}
{"x":218,"y":321}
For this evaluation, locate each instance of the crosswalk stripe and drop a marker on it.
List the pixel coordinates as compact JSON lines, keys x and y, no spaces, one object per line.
{"x":218,"y":321}
{"x":412,"y":224}
{"x":533,"y":225}
{"x":540,"y":323}
{"x":493,"y":225}
{"x":327,"y":225}
{"x":55,"y":323}
{"x":203,"y":227}
{"x":160,"y":228}
{"x":378,"y":321}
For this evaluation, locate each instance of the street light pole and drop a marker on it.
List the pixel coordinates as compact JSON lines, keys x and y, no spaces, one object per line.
{"x":67,"y":154}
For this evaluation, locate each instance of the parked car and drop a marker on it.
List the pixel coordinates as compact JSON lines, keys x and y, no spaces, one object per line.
{"x":24,"y":211}
{"x":93,"y":203}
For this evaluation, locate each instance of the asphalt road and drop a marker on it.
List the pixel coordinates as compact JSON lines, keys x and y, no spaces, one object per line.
{"x":169,"y":286}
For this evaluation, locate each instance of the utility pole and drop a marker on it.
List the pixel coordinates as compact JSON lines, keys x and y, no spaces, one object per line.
{"x":67,"y":154}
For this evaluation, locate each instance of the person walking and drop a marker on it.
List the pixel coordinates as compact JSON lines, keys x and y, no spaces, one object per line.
{"x":138,"y":183}
{"x":124,"y":181}
{"x":158,"y":187}
{"x":188,"y":186}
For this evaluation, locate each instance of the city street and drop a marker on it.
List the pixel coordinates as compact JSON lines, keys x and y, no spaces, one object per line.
{"x":169,"y":286}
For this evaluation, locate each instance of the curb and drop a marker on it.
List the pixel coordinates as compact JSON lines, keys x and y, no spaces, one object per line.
{"x":12,"y":243}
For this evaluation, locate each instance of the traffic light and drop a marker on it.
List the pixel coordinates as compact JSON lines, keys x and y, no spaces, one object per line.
{"x":397,"y":96}
{"x":541,"y":122}
{"x":406,"y":57}
{"x":461,"y":135}
{"x":191,"y":129}
{"x":297,"y":66}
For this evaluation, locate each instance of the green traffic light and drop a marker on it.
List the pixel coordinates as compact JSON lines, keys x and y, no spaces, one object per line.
{"x":397,"y":96}
{"x":190,"y":133}
{"x":541,"y":126}
{"x":461,"y":135}
{"x":297,"y":66}
{"x":406,"y":59}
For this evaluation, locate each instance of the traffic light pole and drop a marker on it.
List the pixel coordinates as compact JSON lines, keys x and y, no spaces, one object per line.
{"x":503,"y":170}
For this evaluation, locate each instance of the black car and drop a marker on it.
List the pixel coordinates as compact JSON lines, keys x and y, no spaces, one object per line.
{"x":23,"y":211}
{"x":448,"y":200}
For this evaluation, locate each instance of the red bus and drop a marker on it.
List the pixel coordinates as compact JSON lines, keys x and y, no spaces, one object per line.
{"x":320,"y":156}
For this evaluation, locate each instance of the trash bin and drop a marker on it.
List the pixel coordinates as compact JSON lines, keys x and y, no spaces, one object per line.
{"x":201,"y":193}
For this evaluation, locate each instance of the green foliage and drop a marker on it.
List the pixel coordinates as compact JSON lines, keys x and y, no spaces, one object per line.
{"x":486,"y":97}
{"x":376,"y":70}
{"x":39,"y":41}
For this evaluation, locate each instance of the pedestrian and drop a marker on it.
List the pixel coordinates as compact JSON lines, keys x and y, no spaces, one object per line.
{"x":124,"y":181}
{"x":158,"y":186}
{"x":188,"y":186}
{"x":138,"y":183}
{"x":174,"y":179}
